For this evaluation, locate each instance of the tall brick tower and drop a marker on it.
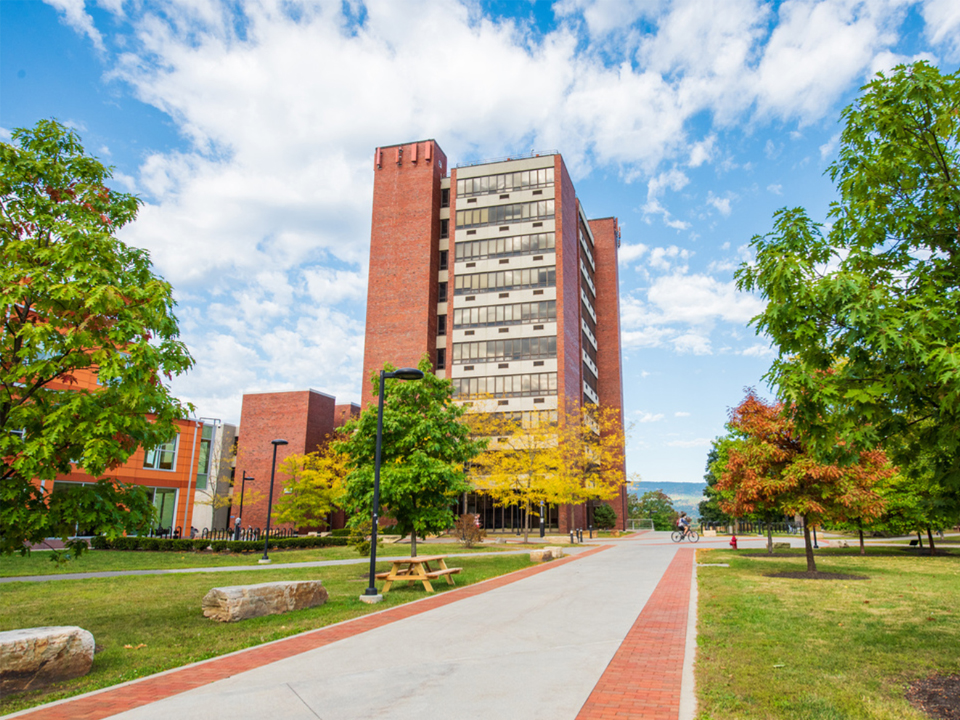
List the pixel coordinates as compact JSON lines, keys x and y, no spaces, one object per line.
{"x":497,"y":274}
{"x":403,"y":289}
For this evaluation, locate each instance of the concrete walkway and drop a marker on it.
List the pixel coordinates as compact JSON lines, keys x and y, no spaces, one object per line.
{"x":606,"y":633}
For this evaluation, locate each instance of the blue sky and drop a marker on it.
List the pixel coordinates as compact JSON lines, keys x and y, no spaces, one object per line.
{"x":248,"y":128}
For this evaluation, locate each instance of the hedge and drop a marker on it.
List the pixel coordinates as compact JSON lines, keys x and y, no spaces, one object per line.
{"x":152,"y":544}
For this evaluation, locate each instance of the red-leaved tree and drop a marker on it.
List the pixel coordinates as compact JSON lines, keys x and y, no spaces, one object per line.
{"x":770,"y":467}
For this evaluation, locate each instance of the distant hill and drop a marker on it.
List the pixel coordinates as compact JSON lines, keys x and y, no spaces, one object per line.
{"x":686,"y":497}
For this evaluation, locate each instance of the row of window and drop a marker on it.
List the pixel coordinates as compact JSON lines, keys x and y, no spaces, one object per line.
{"x":505,"y":182}
{"x":507,"y":385}
{"x":501,"y":214}
{"x":532,"y":312}
{"x":502,"y":350}
{"x":164,"y":457}
{"x":526,"y":418}
{"x":516,"y":245}
{"x":504,"y":280}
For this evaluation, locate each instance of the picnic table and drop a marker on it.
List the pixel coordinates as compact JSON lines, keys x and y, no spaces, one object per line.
{"x":417,"y":569}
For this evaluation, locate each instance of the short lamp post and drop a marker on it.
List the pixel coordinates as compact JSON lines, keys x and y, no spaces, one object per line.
{"x":243,"y":485}
{"x":543,"y":530}
{"x":370,"y":595}
{"x":273,"y":469}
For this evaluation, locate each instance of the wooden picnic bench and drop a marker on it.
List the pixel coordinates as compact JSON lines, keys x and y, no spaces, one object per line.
{"x":417,"y":569}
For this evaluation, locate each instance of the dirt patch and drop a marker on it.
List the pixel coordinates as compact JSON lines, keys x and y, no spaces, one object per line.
{"x":938,"y":696}
{"x":817,"y":575}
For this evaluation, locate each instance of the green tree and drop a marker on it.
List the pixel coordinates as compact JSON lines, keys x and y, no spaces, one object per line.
{"x":426,"y":445}
{"x":657,"y":506}
{"x":604,"y":516}
{"x":78,"y":304}
{"x":866,"y":314}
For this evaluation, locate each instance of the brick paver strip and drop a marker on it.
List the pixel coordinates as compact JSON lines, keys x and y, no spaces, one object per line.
{"x":111,"y":701}
{"x":643,"y":679}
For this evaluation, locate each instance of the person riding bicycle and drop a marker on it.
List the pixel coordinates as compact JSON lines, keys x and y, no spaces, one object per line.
{"x":683,"y":524}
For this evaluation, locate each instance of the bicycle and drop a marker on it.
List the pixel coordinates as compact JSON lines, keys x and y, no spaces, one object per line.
{"x":678,"y":535}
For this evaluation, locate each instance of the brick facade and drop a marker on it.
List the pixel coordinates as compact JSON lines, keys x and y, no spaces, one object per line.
{"x":404,"y":256}
{"x":303,"y":418}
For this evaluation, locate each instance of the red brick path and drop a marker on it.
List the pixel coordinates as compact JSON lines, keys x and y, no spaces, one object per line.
{"x":156,"y":687}
{"x":643,"y":679}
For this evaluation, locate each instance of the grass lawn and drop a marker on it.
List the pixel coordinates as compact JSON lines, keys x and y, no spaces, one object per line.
{"x":159,"y":616}
{"x":823,"y":649}
{"x":39,"y":563}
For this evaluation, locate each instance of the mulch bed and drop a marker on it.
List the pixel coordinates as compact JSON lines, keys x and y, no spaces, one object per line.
{"x":817,"y":575}
{"x":938,"y":696}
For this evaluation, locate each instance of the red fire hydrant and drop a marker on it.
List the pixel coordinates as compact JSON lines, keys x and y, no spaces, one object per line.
{"x":733,"y":542}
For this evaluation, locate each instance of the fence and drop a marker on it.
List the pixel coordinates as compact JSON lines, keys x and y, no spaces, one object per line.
{"x":246,"y":534}
{"x":750,"y":526}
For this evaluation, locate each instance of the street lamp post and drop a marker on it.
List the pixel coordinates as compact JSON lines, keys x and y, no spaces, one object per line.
{"x":543,"y":530}
{"x":243,"y":485}
{"x":370,"y":595}
{"x":273,"y":468}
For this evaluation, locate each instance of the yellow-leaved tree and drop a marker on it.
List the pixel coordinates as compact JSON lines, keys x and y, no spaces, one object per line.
{"x":313,"y":486}
{"x":561,"y":458}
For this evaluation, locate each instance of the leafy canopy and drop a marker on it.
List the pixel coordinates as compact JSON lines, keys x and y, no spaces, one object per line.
{"x":425,"y":447}
{"x":866,"y":314}
{"x":312,"y":488}
{"x":88,"y":335}
{"x":770,"y":471}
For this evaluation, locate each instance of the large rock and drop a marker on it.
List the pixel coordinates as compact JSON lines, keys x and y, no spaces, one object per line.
{"x":239,"y":602}
{"x":34,"y":657}
{"x":556,"y":551}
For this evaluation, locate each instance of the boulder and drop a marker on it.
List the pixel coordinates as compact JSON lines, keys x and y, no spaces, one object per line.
{"x":541,"y":555}
{"x":556,"y":551}
{"x":782,"y":546}
{"x":239,"y":602}
{"x":34,"y":657}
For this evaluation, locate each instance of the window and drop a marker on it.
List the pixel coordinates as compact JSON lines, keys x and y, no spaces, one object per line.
{"x":505,"y":280}
{"x":444,"y":197}
{"x":443,"y":259}
{"x":515,"y":245}
{"x":441,"y":358}
{"x":500,"y":214}
{"x":163,"y":457}
{"x":203,"y":461}
{"x":441,"y":324}
{"x":507,"y":385}
{"x":442,"y":292}
{"x":444,"y":228}
{"x":505,"y":350}
{"x":505,"y":182}
{"x":519,"y":313}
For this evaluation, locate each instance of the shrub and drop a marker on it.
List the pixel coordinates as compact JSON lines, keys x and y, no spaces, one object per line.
{"x":99,"y":542}
{"x":604,"y":517}
{"x":468,"y":530}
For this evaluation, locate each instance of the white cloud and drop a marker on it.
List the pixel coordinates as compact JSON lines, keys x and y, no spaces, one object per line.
{"x":681,"y":414}
{"x":75,"y":16}
{"x":662,"y":258}
{"x":760,"y":350}
{"x":628,"y":253}
{"x":943,"y":24}
{"x":680,"y":311}
{"x":647,"y":417}
{"x":721,"y":204}
{"x":699,"y":442}
{"x":776,"y":189}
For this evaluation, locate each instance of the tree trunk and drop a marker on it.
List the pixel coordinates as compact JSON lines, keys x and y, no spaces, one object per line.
{"x":920,"y":540}
{"x":413,"y":544}
{"x":862,"y":550}
{"x":526,"y":521}
{"x":933,"y":548}
{"x":808,"y":545}
{"x":769,"y":538}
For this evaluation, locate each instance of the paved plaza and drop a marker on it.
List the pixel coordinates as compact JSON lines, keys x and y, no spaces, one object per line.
{"x":608,"y":632}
